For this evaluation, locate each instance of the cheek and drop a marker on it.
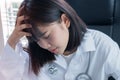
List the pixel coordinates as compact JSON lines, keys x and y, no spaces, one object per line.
{"x":59,"y":37}
{"x":55,"y":39}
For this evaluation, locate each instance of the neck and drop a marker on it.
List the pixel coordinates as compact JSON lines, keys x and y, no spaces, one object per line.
{"x":66,"y":53}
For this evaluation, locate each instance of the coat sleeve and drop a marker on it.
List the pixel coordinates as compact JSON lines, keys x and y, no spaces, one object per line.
{"x":113,"y":62}
{"x":12,"y":63}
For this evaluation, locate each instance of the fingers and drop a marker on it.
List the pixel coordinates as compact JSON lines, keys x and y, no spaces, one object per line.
{"x":21,"y":34}
{"x":19,"y":30}
{"x":20,"y":19}
{"x":23,"y":26}
{"x":21,"y":15}
{"x":20,"y":11}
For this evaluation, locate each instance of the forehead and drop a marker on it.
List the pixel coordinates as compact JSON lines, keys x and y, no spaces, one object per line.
{"x":40,"y":30}
{"x":46,"y":27}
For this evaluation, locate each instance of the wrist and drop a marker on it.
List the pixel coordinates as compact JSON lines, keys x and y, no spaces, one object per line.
{"x":12,"y":43}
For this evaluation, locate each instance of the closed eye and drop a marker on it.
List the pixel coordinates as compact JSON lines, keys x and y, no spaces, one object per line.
{"x":46,"y":37}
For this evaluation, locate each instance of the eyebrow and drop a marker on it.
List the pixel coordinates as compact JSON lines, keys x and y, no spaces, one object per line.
{"x":36,"y":38}
{"x":37,"y":34}
{"x":42,"y":34}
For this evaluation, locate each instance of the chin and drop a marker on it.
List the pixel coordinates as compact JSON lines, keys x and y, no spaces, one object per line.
{"x":60,"y":52}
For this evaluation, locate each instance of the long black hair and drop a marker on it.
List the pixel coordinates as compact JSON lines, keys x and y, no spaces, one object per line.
{"x":45,"y":12}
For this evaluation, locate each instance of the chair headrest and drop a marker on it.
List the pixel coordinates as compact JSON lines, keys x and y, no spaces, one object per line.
{"x":94,"y":12}
{"x":117,"y":9}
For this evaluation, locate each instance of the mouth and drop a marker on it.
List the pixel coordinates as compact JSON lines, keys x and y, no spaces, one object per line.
{"x":53,"y":50}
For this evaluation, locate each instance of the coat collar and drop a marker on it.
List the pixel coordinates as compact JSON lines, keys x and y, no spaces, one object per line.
{"x":87,"y":45}
{"x":61,"y":61}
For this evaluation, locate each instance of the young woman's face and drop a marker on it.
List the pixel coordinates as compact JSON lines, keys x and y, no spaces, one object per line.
{"x":55,"y":36}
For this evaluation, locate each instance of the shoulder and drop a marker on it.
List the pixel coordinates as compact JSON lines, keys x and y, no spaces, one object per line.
{"x":100,"y":38}
{"x":102,"y":42}
{"x":98,"y":41}
{"x":98,"y":35}
{"x":95,"y":40}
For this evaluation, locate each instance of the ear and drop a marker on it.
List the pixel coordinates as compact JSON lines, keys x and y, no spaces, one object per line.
{"x":65,"y":20}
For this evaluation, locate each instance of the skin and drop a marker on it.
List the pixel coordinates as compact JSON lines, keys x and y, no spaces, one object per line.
{"x":55,"y":38}
{"x":17,"y":33}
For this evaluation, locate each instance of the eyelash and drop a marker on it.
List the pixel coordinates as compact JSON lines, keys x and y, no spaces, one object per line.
{"x":46,"y":37}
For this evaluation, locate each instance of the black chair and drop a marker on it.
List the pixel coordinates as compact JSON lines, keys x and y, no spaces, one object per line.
{"x":103,"y":15}
{"x":116,"y":29}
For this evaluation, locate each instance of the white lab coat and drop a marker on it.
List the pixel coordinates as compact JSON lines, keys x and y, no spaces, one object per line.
{"x":98,"y":56}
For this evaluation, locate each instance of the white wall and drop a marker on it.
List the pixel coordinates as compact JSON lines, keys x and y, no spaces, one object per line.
{"x":1,"y":35}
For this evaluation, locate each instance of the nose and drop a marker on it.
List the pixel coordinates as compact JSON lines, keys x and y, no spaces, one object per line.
{"x":44,"y":44}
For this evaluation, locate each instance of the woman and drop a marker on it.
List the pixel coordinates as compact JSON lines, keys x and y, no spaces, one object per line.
{"x":60,"y":46}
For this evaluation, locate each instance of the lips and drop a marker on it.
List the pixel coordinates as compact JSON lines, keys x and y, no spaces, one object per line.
{"x":53,"y":50}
